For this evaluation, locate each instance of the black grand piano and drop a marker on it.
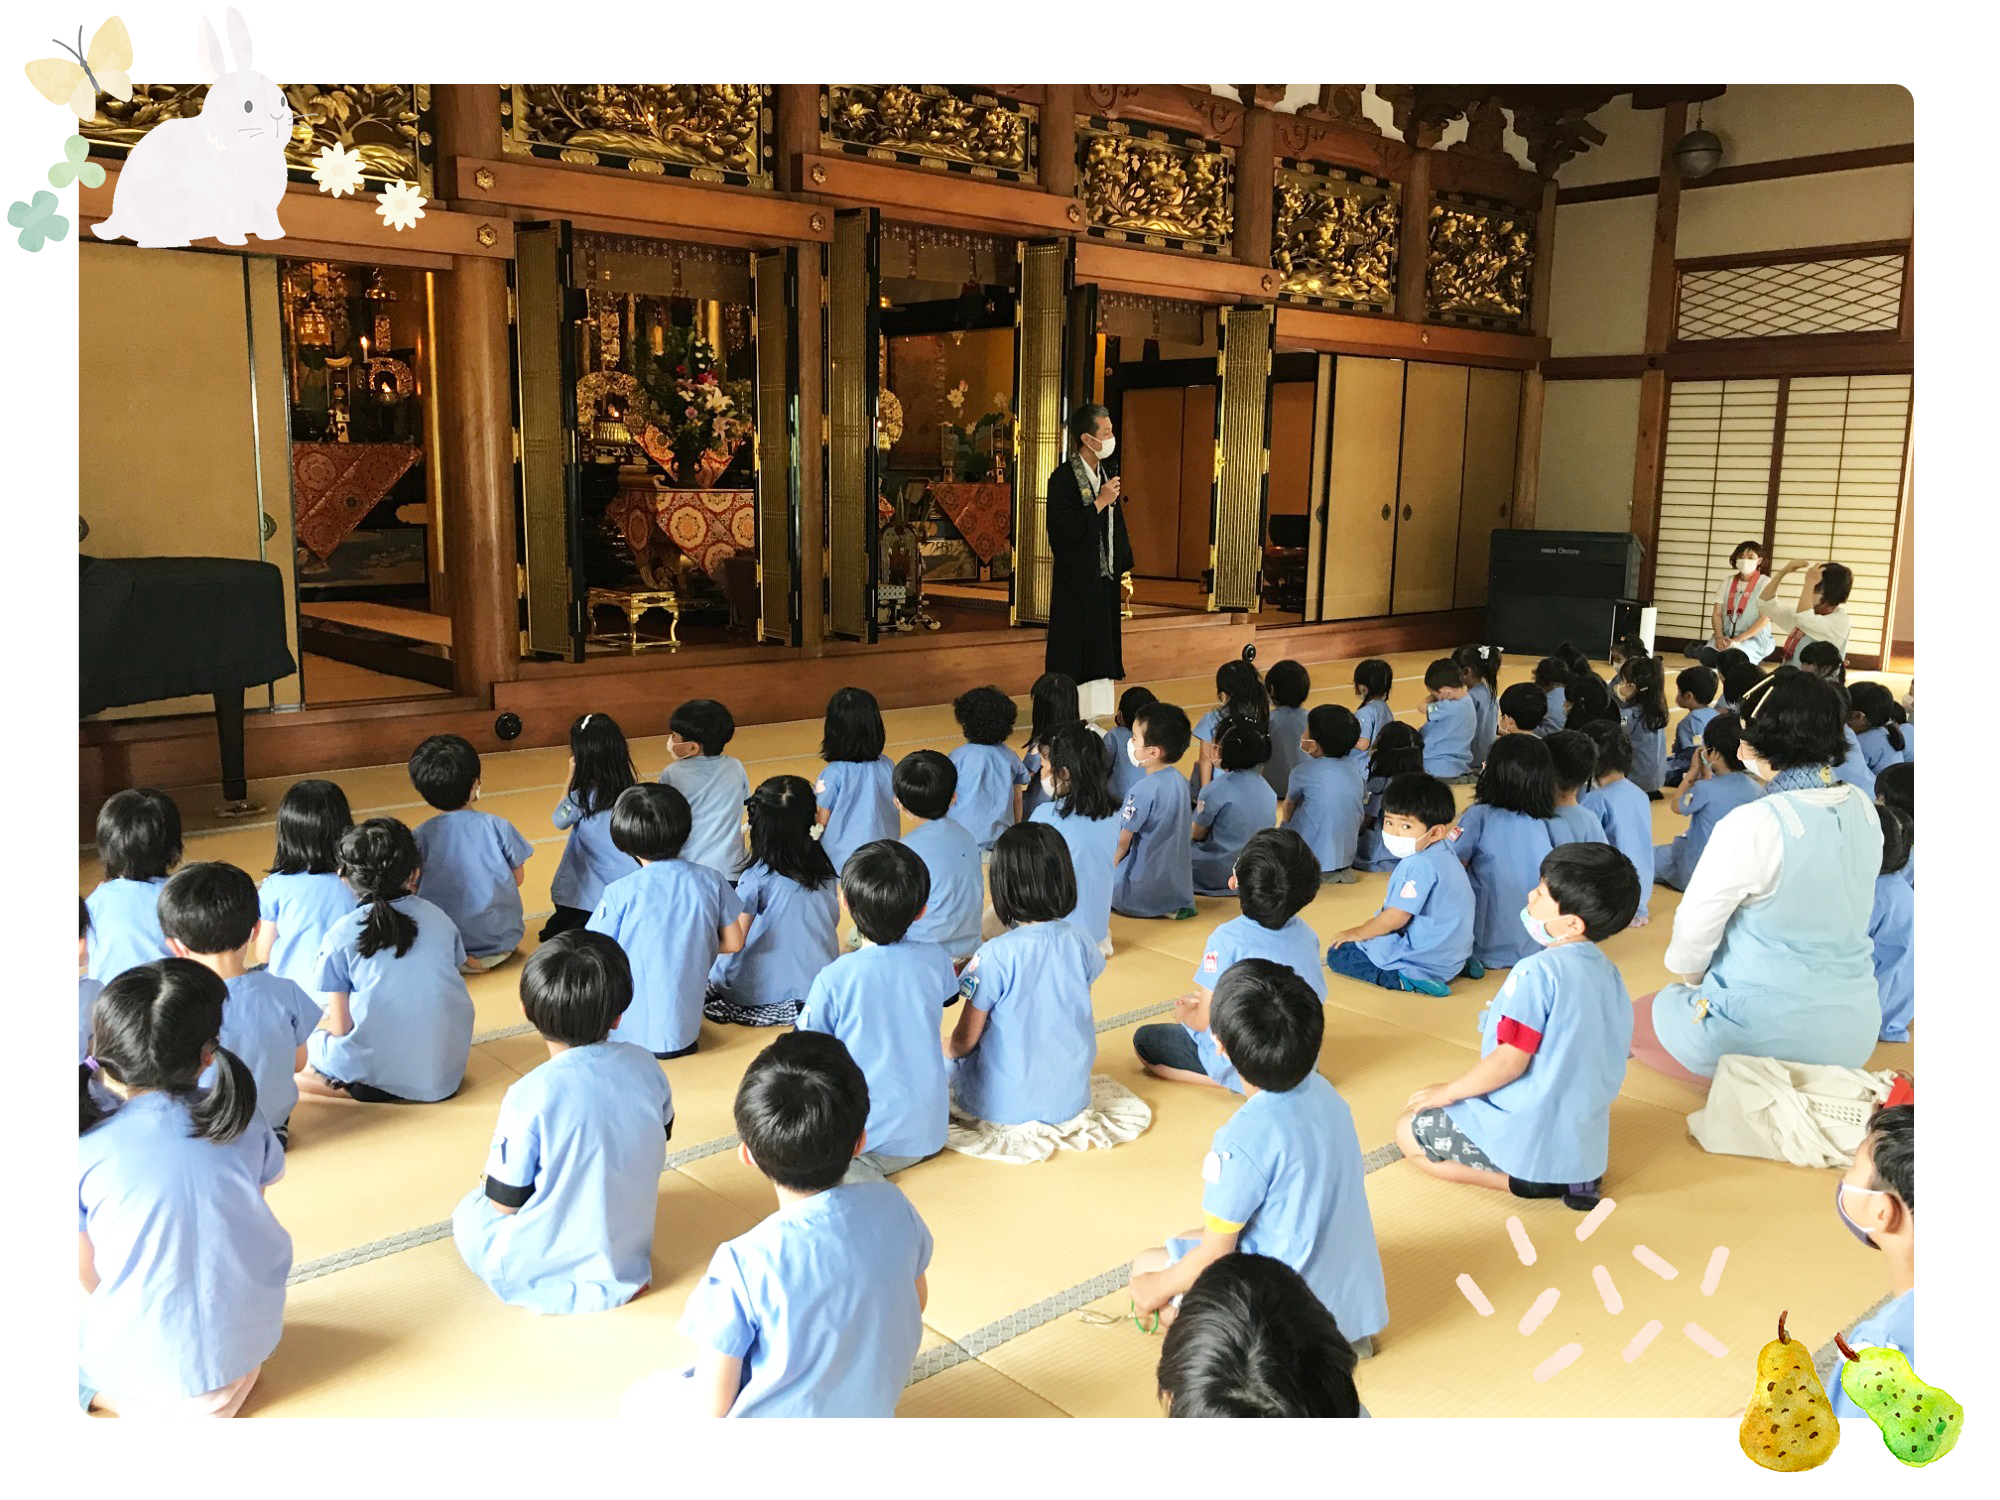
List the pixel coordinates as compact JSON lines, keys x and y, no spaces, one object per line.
{"x":170,"y":627}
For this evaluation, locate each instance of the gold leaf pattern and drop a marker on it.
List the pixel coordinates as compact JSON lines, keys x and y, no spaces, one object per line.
{"x":1336,"y":240}
{"x":1481,"y":262}
{"x":1151,"y":186}
{"x":932,"y":121}
{"x":699,"y":127}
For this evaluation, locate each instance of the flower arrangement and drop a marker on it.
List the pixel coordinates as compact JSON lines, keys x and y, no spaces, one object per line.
{"x":689,"y":409}
{"x":970,"y":452}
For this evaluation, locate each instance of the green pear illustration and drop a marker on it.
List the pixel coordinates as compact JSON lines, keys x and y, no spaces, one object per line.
{"x":1919,"y":1422}
{"x":1789,"y":1424}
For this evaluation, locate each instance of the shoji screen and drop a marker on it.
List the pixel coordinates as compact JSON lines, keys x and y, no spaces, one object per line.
{"x":1714,"y":493}
{"x":1840,"y":484}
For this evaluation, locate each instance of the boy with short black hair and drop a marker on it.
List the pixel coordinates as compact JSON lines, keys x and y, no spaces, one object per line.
{"x":1422,"y":936}
{"x":473,"y":862}
{"x":1284,"y":1177}
{"x":1575,"y":756}
{"x":1289,"y":685}
{"x":818,"y":1311}
{"x":1235,"y":803}
{"x":1252,"y":1340}
{"x":1153,"y":872}
{"x":1552,"y":677}
{"x":716,"y":785}
{"x":1124,"y":773}
{"x":884,"y":1001}
{"x":208,"y":913}
{"x":1326,"y":792}
{"x":1877,"y":1201}
{"x":1533,"y":1115}
{"x":1450,"y":722}
{"x":991,"y":776}
{"x":925,"y":783}
{"x":1523,"y":707}
{"x":1695,"y":695}
{"x":1276,"y":878}
{"x":564,"y":1221}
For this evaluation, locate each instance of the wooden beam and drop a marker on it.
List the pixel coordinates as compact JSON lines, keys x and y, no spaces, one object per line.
{"x":1754,"y":171}
{"x":932,"y":195}
{"x":1171,"y":274}
{"x":1393,"y":338}
{"x":1649,"y":458}
{"x":1413,"y":254}
{"x":1802,"y":255}
{"x":1598,"y":367}
{"x":467,"y":124}
{"x":1057,"y":145}
{"x":1804,"y":354}
{"x":1528,"y":453}
{"x":656,"y":206}
{"x":797,"y":126}
{"x":1256,"y":162}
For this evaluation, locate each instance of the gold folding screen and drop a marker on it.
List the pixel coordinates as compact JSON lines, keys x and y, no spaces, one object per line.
{"x":1038,"y":383}
{"x":853,"y":287}
{"x":774,"y":332}
{"x":1242,"y":457}
{"x":546,"y":418}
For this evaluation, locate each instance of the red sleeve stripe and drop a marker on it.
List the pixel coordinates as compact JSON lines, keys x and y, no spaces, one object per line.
{"x":1513,"y":1034}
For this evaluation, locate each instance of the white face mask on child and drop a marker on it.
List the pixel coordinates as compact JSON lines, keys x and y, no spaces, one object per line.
{"x":1132,"y":754}
{"x":1399,"y":845}
{"x":1048,"y":789}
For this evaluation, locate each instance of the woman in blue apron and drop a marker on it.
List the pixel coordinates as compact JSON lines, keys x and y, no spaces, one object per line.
{"x":1771,"y":937}
{"x":1739,"y":614}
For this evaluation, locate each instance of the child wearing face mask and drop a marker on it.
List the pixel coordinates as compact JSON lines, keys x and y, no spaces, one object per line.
{"x":1717,"y":786}
{"x":1153,"y":874}
{"x":1422,"y":936}
{"x":926,"y":784}
{"x":1124,"y":775}
{"x":1324,"y":794}
{"x":1877,"y":1201}
{"x":1533,"y":1115}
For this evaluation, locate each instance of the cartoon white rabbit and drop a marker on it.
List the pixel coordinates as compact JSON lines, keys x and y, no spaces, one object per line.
{"x":220,"y":174}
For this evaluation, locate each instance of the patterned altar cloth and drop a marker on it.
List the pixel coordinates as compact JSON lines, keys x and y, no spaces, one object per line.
{"x":707,"y":525}
{"x":982,"y":513}
{"x":335,"y":484}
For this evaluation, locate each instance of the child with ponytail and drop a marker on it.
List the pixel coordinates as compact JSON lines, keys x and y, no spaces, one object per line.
{"x":303,"y":895}
{"x":791,"y":912}
{"x":398,"y":1024}
{"x":183,"y":1261}
{"x":600,"y":767}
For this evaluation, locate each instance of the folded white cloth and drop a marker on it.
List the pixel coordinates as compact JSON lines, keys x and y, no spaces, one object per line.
{"x":1115,"y":1115}
{"x":1808,"y":1114}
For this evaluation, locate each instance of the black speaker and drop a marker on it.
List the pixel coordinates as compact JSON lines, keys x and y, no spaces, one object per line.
{"x":1548,"y":587}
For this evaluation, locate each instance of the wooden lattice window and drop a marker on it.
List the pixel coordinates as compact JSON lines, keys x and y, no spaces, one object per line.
{"x":1768,"y":297}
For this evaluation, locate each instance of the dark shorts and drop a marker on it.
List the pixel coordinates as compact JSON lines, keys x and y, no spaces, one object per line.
{"x":1167,"y":1045}
{"x":1444,"y":1141}
{"x":366,"y":1093}
{"x":563,"y":919}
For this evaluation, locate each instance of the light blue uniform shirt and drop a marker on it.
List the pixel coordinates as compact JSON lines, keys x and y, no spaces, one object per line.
{"x":1568,"y":1008}
{"x":265,"y":1021}
{"x":469,"y":858}
{"x":1327,"y":797}
{"x":1486,"y":724}
{"x":587,"y":1130}
{"x":716,"y":787}
{"x":987,"y":776}
{"x":1794,"y":974}
{"x":1287,"y":1166}
{"x":87,"y":991}
{"x":124,"y":927}
{"x":958,"y":886}
{"x":1892,"y":929}
{"x":1093,"y":845}
{"x":1156,"y":877}
{"x":1853,"y":767}
{"x":191,"y":1262}
{"x":1032,"y":795}
{"x":1437,"y":940}
{"x":1687,"y":738}
{"x":1627,"y":816}
{"x":1375,"y":716}
{"x":792,"y":937}
{"x":1233,"y":806}
{"x":1576,"y":824}
{"x":590,"y":861}
{"x":1707,"y":803}
{"x":1368,"y":851}
{"x":303,"y":908}
{"x":1649,"y":751}
{"x":820,"y":1303}
{"x":1877,"y":751}
{"x":1295,"y":945}
{"x":1288,"y":727}
{"x":668,"y":917}
{"x":860,"y":799}
{"x":1910,"y":742}
{"x":1894,"y":1327}
{"x":1552,"y":721}
{"x":1449,"y":727}
{"x":1124,"y":775}
{"x":412,"y":1015}
{"x":1503,"y":852}
{"x":887,"y":1005}
{"x":1034,"y":1058}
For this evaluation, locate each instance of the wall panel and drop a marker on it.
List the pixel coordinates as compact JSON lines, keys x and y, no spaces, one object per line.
{"x":1429,"y":491}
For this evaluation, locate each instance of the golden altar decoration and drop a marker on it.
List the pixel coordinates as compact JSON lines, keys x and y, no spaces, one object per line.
{"x":1481,"y":262}
{"x":1158,"y":187}
{"x":1335,"y":237}
{"x":931,"y":125}
{"x":710,"y":132}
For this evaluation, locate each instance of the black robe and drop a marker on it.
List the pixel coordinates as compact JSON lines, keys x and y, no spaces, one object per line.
{"x":1084,"y":626}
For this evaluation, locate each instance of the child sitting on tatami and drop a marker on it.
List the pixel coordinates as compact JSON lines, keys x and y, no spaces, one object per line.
{"x":1451,"y":723}
{"x":1892,"y":928}
{"x":1251,"y":1340}
{"x":671,"y":917}
{"x":1399,"y":751}
{"x":1289,"y":685}
{"x":1533,"y":1115}
{"x":1523,"y":708}
{"x":1877,"y":1201}
{"x":1026,"y":1040}
{"x":926,"y":782}
{"x":473,"y":862}
{"x":1125,"y":772}
{"x":791,"y":913}
{"x":1552,"y":677}
{"x":1622,"y":807}
{"x":1276,"y":878}
{"x":564,"y":1221}
{"x":600,"y":768}
{"x":716,"y":785}
{"x":1695,"y":689}
{"x":1574,"y":756}
{"x":884,"y":1001}
{"x":208,"y":912}
{"x":1501,"y":840}
{"x":818,"y":1311}
{"x":1236,"y":802}
{"x":1642,"y":708}
{"x":1154,"y":870}
{"x":1284,"y":1176}
{"x":1717,"y":785}
{"x":138,"y":842}
{"x":991,"y":777}
{"x":1373,"y":681}
{"x":1422,"y":936}
{"x":857,"y":797}
{"x":302,"y":897}
{"x":1324,"y":798}
{"x":1897,"y":787}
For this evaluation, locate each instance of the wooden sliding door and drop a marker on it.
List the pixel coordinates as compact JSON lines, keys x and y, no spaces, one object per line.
{"x":1429,"y":492}
{"x":1362,"y":462}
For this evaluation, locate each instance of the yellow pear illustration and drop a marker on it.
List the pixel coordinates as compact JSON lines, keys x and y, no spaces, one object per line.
{"x":1919,"y":1422}
{"x":1789,"y":1424}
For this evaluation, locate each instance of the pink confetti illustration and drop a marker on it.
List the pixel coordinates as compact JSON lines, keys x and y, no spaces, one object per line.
{"x":1595,"y":1218}
{"x":1557,"y":1362}
{"x":1544,"y":1304}
{"x":1714,"y":1274}
{"x":1705,"y":1340}
{"x":1475,"y":1296}
{"x":1653,"y":1263}
{"x":1523,"y":1246}
{"x":1641,"y":1339}
{"x":1607,"y":1289}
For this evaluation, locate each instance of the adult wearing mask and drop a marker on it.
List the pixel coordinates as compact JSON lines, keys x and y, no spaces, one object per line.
{"x":1820,"y":613}
{"x":1771,"y":938}
{"x":1740,"y":620}
{"x":1090,"y":553}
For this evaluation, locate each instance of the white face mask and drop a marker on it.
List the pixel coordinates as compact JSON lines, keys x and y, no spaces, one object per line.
{"x":1398,"y":845}
{"x":1757,"y":767}
{"x":1106,"y":446}
{"x":1048,"y":789}
{"x":1747,"y":567}
{"x":1132,"y":754}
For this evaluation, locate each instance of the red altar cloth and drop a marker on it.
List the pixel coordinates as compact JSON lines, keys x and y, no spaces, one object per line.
{"x":335,"y":484}
{"x":982,"y":513}
{"x":707,"y":525}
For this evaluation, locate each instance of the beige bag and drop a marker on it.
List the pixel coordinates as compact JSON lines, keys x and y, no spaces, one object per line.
{"x":1808,"y":1114}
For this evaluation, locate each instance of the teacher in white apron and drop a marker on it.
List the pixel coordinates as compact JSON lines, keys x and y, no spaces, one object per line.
{"x":1090,"y":553}
{"x":1740,"y":621}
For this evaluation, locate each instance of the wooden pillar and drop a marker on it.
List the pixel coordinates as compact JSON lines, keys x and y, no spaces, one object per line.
{"x":812,"y":450}
{"x":1651,"y":453}
{"x":796,"y":124}
{"x":1528,"y":450}
{"x":1412,"y":306}
{"x":1255,"y":162}
{"x":480,"y":564}
{"x":1058,"y":139}
{"x":467,"y":123}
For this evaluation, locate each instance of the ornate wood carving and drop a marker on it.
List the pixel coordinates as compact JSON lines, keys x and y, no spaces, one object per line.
{"x":1341,"y":103}
{"x":1155,"y":186}
{"x":931,"y":124}
{"x":1335,"y":239}
{"x":1481,"y":263}
{"x":1555,"y":135}
{"x":711,"y":132}
{"x":1266,"y":94}
{"x":1194,"y":110}
{"x":1485,"y":133}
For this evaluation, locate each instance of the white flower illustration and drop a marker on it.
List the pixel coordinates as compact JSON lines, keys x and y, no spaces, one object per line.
{"x":956,"y":395}
{"x":337,"y":170}
{"x":401,"y":206}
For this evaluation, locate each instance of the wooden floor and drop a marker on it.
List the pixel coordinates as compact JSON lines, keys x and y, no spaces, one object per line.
{"x":384,"y":1319}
